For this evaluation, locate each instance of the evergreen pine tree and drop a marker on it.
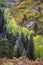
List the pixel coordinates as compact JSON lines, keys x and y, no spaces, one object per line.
{"x":24,"y":19}
{"x":22,"y":37}
{"x":31,"y":48}
{"x":39,"y":10}
{"x":35,"y":27}
{"x":26,"y":42}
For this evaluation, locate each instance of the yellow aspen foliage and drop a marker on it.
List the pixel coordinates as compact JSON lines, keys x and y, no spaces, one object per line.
{"x":29,"y":1}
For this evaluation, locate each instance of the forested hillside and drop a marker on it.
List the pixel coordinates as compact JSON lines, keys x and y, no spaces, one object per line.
{"x":21,"y":32}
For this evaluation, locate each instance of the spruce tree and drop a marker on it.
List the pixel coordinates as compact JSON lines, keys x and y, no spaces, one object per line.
{"x":26,"y":42}
{"x":22,"y":37}
{"x":39,"y":10}
{"x":35,"y":27}
{"x":24,"y":19}
{"x":31,"y":48}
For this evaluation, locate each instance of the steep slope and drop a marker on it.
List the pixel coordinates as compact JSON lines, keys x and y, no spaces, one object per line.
{"x":30,"y":9}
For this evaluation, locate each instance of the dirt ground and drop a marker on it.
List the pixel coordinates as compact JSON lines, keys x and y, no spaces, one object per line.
{"x":21,"y":61}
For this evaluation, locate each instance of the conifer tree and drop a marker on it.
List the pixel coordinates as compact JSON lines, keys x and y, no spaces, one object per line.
{"x":31,"y":48}
{"x":35,"y":27}
{"x":26,"y":42}
{"x":39,"y":10}
{"x":22,"y":37}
